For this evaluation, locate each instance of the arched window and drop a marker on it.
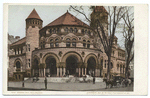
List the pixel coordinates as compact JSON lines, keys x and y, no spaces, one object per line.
{"x":51,"y":43}
{"x":117,"y":66}
{"x":50,"y":31}
{"x":82,"y":31}
{"x":74,"y":42}
{"x":71,"y":30}
{"x":85,"y":31}
{"x":18,"y":66}
{"x":54,"y":30}
{"x":66,"y":30}
{"x":68,"y":42}
{"x":89,"y":32}
{"x":56,"y":43}
{"x":84,"y":43}
{"x":58,"y":30}
{"x":88,"y":45}
{"x":120,"y":68}
{"x":43,"y":44}
{"x":75,"y":30}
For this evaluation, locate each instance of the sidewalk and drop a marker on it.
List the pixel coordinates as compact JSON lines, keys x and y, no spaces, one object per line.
{"x":57,"y":86}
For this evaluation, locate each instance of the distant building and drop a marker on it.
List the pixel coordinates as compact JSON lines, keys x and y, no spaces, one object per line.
{"x":64,"y":46}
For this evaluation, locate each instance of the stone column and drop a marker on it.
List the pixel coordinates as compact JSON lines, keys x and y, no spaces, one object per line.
{"x":15,"y":69}
{"x":79,"y":72}
{"x":85,"y":71}
{"x":64,"y":71}
{"x":21,"y":69}
{"x":60,"y":72}
{"x":57,"y":72}
{"x":95,"y":72}
{"x":44,"y":72}
{"x":82,"y":71}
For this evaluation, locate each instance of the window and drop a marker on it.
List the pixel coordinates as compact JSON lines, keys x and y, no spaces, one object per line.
{"x":43,"y":44}
{"x":56,"y":43}
{"x":28,"y":47}
{"x":19,"y":76}
{"x":68,"y":42}
{"x":54,"y":30}
{"x":33,"y":26}
{"x":89,"y":32}
{"x":88,"y":45}
{"x":117,"y":66}
{"x":123,"y":68}
{"x":29,"y":63}
{"x":82,"y":31}
{"x":16,"y":76}
{"x":74,"y":42}
{"x":15,"y":51}
{"x":84,"y":43}
{"x":120,"y":68}
{"x":85,"y":31}
{"x":71,"y":30}
{"x":50,"y":31}
{"x":21,"y":50}
{"x":58,"y":30}
{"x":66,"y":30}
{"x":18,"y":50}
{"x":51,"y":43}
{"x":75,"y":30}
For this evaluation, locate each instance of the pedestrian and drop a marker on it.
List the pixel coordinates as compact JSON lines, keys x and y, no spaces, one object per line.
{"x":22,"y":83}
{"x":93,"y":79}
{"x":45,"y":83}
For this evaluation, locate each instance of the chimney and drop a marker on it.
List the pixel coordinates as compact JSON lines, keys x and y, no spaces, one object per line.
{"x":17,"y":37}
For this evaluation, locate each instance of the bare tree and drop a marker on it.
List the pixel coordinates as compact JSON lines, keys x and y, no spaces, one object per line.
{"x":104,"y":24}
{"x":128,"y":33}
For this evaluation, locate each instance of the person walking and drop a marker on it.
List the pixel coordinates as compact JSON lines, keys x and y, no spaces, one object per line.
{"x":22,"y":83}
{"x":45,"y":83}
{"x":93,"y":79}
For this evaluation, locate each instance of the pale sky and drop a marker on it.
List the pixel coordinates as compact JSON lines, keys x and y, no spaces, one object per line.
{"x":48,"y":13}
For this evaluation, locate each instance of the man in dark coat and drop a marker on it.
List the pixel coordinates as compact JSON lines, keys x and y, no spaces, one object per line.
{"x":93,"y":79}
{"x":45,"y":83}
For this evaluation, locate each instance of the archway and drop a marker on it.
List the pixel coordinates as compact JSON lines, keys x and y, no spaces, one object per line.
{"x":51,"y":66}
{"x":91,"y":65}
{"x":71,"y":65}
{"x":36,"y":67}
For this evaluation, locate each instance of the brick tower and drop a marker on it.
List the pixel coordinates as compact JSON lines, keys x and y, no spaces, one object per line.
{"x":33,"y":25}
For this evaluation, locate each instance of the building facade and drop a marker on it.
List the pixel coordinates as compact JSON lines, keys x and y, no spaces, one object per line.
{"x":64,"y":46}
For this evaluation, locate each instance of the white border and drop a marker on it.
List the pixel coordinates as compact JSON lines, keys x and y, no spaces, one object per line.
{"x":141,"y":46}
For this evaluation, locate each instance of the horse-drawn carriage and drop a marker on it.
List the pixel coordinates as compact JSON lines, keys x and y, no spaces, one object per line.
{"x":117,"y":81}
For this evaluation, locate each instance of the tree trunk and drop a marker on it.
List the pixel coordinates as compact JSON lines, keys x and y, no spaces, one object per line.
{"x":108,"y":68}
{"x":126,"y":71}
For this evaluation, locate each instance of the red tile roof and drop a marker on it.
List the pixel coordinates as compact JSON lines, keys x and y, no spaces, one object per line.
{"x":34,"y":14}
{"x":67,"y":19}
{"x":21,"y":41}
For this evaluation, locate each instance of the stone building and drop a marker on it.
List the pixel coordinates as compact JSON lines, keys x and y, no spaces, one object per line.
{"x":64,"y":46}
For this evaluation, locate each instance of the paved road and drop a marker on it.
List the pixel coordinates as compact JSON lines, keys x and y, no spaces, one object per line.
{"x":17,"y":86}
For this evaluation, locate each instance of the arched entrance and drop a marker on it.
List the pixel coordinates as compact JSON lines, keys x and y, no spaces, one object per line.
{"x":71,"y":65}
{"x":36,"y":67}
{"x":51,"y":66}
{"x":91,"y":64}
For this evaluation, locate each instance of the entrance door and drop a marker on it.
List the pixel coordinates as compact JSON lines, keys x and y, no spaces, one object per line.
{"x":91,"y":63}
{"x":71,"y":65}
{"x":51,"y":66}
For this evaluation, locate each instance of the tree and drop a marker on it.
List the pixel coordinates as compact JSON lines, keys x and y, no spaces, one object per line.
{"x":104,"y":24}
{"x":128,"y":33}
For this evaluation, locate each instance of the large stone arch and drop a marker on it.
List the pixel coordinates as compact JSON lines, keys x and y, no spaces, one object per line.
{"x":91,"y":55}
{"x":72,"y":53}
{"x":53,"y":55}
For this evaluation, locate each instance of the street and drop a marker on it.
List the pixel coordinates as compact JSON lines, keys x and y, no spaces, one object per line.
{"x":17,"y":86}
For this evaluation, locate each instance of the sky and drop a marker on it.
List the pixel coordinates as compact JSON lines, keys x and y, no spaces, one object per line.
{"x":48,"y":13}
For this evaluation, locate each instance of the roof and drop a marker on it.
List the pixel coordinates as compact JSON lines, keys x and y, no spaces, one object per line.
{"x":34,"y":14}
{"x":67,"y":19}
{"x":21,"y":41}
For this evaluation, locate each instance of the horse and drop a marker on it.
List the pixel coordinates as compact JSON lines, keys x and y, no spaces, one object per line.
{"x":126,"y":82}
{"x":108,"y":82}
